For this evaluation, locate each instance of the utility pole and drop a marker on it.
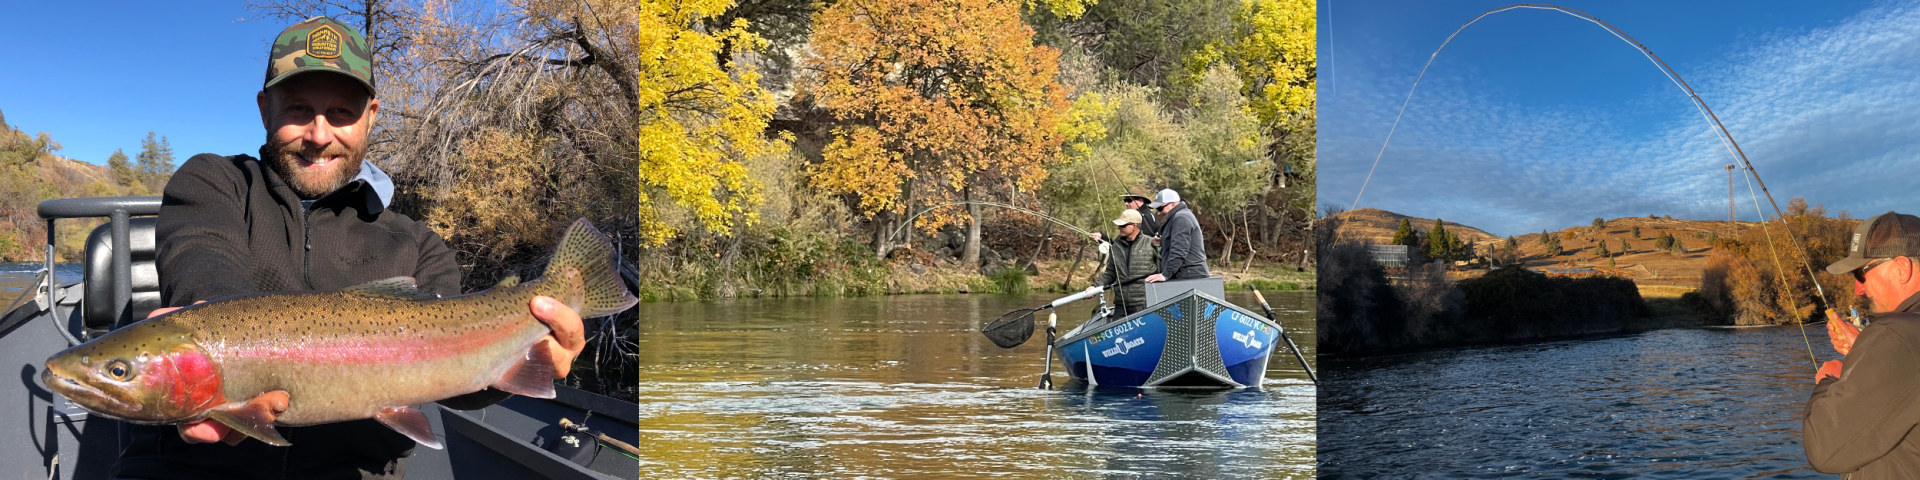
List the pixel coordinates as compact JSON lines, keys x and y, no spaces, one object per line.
{"x":1731,"y":216}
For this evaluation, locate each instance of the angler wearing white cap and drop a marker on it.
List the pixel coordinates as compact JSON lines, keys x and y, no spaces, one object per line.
{"x":1183,"y":250}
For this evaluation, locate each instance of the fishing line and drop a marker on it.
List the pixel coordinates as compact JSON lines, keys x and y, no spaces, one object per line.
{"x":1726,"y":138}
{"x":1781,"y":271}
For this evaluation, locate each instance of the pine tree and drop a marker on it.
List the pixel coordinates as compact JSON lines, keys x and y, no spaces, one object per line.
{"x":156,"y":162}
{"x":1440,"y":243}
{"x":1636,"y":232}
{"x":1600,"y":249}
{"x":122,"y":173}
{"x":1511,"y":243}
{"x":1403,"y":235}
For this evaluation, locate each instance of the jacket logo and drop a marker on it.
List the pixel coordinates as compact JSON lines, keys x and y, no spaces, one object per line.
{"x":323,"y":42}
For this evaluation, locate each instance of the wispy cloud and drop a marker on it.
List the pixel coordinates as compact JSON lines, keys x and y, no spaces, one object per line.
{"x":1831,"y":114}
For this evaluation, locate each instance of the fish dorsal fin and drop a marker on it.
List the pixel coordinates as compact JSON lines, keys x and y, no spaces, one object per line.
{"x":532,"y":375}
{"x":409,"y":422}
{"x":396,"y":288}
{"x":511,"y":280}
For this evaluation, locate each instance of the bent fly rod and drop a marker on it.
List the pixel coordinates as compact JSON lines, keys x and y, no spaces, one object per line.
{"x":1726,"y":140}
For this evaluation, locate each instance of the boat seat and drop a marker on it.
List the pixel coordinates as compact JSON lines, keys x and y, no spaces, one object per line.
{"x":96,"y":305}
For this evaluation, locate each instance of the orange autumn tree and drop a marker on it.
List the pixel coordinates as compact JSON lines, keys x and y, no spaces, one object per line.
{"x":932,"y":101}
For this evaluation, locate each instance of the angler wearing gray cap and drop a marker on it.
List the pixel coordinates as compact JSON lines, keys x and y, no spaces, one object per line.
{"x":1183,"y":253}
{"x":1863,"y":408}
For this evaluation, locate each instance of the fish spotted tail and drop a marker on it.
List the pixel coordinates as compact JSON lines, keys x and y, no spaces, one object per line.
{"x":585,"y":250}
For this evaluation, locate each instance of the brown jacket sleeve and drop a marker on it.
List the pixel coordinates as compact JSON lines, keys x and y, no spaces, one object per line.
{"x":199,"y":256}
{"x":1865,"y":414}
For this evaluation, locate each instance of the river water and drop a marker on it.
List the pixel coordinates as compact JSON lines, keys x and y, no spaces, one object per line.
{"x":18,"y":277}
{"x":1692,"y":403}
{"x":906,"y":387}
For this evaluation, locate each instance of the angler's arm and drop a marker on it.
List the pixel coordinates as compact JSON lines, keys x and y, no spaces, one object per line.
{"x":1861,"y":417}
{"x":200,"y":249}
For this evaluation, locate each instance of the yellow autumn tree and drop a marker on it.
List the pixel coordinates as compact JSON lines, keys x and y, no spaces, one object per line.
{"x":1272,"y":48}
{"x":932,"y":101}
{"x":699,"y":118}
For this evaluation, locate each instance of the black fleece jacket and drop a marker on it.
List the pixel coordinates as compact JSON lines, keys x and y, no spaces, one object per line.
{"x":231,"y":226}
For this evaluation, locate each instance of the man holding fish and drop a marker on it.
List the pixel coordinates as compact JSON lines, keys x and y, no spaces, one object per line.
{"x":310,"y":216}
{"x":1864,"y":408}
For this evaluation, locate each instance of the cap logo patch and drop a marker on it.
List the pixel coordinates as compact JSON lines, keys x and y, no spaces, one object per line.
{"x":323,"y":42}
{"x":1856,"y":243}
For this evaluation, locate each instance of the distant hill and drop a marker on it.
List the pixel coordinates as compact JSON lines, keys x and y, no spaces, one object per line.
{"x":1639,"y":262}
{"x":1376,"y":226}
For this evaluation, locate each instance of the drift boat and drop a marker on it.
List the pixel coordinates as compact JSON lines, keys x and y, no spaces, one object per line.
{"x":575,"y":435}
{"x":1188,"y":338}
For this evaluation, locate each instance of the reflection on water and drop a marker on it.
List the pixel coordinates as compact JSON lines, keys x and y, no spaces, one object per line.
{"x":1697,"y":403}
{"x":906,"y":387}
{"x":16,"y":278}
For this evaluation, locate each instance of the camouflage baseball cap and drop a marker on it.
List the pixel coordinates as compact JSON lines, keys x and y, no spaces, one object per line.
{"x":319,"y":44}
{"x":1886,"y":235}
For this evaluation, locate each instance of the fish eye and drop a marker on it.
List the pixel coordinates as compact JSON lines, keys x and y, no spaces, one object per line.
{"x":118,"y":370}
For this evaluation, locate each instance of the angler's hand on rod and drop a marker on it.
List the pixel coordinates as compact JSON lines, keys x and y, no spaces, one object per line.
{"x":1841,"y":332}
{"x":1829,"y":369}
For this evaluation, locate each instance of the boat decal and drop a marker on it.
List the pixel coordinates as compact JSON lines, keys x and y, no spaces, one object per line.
{"x":1250,"y":339}
{"x":1122,"y":345}
{"x":1117,"y":330}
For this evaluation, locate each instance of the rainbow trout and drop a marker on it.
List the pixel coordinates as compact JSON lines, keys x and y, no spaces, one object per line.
{"x":368,"y":351}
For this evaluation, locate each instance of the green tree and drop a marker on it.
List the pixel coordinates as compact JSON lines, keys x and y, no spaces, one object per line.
{"x":1440,"y":244}
{"x":155,"y":162}
{"x":122,"y":172}
{"x":1511,"y":243}
{"x":1624,"y":248}
{"x":1600,"y":249}
{"x":1636,"y":231}
{"x":1404,"y":235}
{"x":1599,"y":224}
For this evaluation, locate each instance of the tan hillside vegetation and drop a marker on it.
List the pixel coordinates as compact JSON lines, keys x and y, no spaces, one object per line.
{"x":29,"y":173}
{"x":1376,"y":226}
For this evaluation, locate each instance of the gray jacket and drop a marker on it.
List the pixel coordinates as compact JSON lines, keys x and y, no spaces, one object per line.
{"x":1183,"y":252}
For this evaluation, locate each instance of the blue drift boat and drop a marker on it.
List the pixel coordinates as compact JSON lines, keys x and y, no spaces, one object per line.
{"x":1187,"y":338}
{"x":1193,"y":339}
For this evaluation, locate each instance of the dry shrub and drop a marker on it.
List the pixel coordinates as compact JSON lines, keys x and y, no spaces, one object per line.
{"x":486,"y":208}
{"x":1743,"y":280}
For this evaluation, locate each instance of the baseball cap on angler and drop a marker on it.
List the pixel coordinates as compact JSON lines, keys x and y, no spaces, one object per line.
{"x":1886,"y":235}
{"x":319,"y":44}
{"x":1127,"y":217}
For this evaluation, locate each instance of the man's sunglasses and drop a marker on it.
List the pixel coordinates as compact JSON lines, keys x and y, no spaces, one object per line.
{"x":1860,"y":274}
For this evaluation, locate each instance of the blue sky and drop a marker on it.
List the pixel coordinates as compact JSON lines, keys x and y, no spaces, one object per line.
{"x":99,"y":76}
{"x":1534,"y":120}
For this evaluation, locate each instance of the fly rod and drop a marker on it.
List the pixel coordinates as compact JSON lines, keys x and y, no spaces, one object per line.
{"x":1726,"y":139}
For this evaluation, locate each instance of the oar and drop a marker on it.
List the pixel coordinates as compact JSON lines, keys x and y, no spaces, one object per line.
{"x":1283,"y":335}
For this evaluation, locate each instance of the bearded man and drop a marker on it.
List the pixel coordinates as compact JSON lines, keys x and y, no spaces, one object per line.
{"x":309,"y":215}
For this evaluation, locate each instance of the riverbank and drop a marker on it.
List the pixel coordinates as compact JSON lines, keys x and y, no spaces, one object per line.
{"x":909,"y":276}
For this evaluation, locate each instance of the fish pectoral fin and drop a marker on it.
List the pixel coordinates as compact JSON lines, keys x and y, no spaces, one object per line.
{"x":250,"y":419}
{"x":396,"y":288}
{"x":410,"y":422}
{"x":532,"y":376}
